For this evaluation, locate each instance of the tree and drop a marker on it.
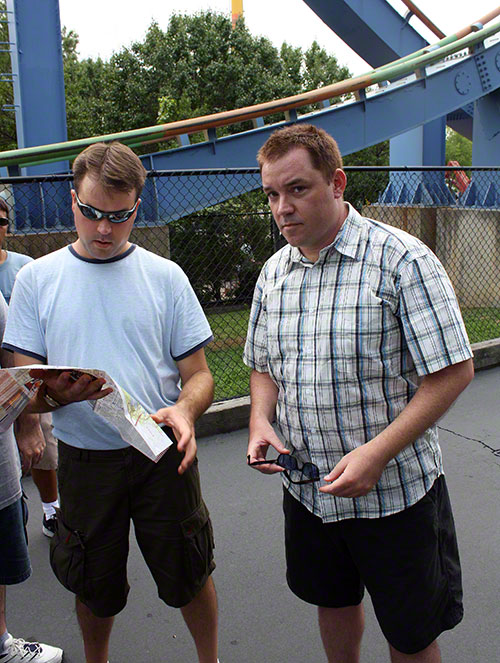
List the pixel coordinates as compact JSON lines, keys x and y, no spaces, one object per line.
{"x":197,"y":66}
{"x":8,"y":138}
{"x":458,"y":148}
{"x":363,"y":187}
{"x":85,"y":82}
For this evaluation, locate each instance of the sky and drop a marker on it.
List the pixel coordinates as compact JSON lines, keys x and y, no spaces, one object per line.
{"x":106,"y":26}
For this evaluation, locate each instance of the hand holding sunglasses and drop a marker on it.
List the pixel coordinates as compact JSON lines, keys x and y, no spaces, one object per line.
{"x":309,"y":471}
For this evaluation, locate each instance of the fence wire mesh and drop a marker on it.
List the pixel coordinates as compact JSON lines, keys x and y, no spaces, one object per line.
{"x":217,"y":226}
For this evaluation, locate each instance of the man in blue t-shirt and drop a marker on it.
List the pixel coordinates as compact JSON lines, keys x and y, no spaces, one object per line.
{"x":108,"y":304}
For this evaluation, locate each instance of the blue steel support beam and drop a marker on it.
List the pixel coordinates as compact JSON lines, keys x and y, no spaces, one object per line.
{"x":35,"y":30}
{"x":379,"y":34}
{"x":372,"y":28}
{"x":483,"y":192}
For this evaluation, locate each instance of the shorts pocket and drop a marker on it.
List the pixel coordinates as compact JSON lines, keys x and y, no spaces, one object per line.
{"x":198,"y":541}
{"x":67,"y":557}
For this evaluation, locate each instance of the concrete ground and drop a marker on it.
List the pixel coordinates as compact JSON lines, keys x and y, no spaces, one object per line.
{"x":260,"y":620}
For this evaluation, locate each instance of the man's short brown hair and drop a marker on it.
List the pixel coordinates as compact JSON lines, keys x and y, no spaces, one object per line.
{"x":323,"y":149}
{"x":113,"y":165}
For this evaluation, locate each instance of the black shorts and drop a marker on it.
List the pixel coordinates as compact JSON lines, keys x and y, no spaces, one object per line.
{"x":408,"y":562}
{"x":100,"y":493}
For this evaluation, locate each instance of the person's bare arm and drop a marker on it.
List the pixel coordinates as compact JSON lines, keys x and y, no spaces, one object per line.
{"x":29,"y":436}
{"x":359,"y":470}
{"x":60,"y":386}
{"x":264,"y":396}
{"x":196,"y":396}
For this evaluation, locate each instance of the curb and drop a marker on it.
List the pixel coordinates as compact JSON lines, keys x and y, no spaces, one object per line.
{"x":228,"y":416}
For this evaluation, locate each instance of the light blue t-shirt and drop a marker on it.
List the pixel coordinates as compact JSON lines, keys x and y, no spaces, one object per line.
{"x":132,"y":316}
{"x":8,"y":271}
{"x":10,"y":468}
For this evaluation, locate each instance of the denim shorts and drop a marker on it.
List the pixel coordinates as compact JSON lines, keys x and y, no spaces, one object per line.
{"x":101,"y":492}
{"x":408,"y":562}
{"x":14,"y":560}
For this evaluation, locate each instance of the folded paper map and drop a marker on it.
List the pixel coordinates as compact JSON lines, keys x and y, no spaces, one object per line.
{"x":135,"y":425}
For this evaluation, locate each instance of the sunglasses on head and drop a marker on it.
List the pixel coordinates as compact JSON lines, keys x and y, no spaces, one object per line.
{"x":4,"y":221}
{"x":95,"y":214}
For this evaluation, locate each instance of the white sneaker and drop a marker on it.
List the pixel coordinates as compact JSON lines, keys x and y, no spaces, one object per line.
{"x":18,"y":650}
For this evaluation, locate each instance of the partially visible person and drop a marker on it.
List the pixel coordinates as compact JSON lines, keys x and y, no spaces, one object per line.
{"x":43,"y":472}
{"x":10,"y":261}
{"x":14,"y":560}
{"x":357,"y":347}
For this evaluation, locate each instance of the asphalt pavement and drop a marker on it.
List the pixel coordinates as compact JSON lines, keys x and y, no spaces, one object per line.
{"x":260,"y":620}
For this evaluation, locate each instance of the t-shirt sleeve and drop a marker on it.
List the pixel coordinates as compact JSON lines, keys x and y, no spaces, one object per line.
{"x":3,"y":314}
{"x":432,"y":322}
{"x":23,"y":332}
{"x":255,"y":354}
{"x":190,"y":331}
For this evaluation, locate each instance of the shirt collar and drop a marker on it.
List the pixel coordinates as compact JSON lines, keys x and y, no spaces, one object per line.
{"x":346,"y":242}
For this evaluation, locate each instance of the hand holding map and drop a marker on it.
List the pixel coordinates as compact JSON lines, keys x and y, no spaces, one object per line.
{"x":119,"y":408}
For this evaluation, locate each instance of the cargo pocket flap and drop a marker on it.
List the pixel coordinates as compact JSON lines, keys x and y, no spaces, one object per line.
{"x":192,"y":525}
{"x":67,"y":557}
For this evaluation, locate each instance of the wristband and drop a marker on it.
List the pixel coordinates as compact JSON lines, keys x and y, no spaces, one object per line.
{"x":49,"y":400}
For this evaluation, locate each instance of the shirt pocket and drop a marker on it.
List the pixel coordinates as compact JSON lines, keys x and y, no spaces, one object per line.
{"x":365,"y":337}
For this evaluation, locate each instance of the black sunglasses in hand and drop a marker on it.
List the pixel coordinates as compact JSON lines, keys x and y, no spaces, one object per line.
{"x":291,"y":464}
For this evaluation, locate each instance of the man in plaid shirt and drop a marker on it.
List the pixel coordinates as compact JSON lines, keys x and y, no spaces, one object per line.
{"x":357,"y":347}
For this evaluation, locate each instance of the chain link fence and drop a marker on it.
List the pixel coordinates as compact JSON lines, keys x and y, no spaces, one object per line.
{"x":217,"y":226}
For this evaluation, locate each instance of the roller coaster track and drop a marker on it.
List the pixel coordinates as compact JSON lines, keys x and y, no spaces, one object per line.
{"x":408,"y":92}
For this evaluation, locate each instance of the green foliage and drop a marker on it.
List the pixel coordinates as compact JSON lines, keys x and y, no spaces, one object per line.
{"x":87,"y":102}
{"x":237,"y":240}
{"x":482,"y":323}
{"x":321,"y":69}
{"x":364,"y":187}
{"x":8,"y":138}
{"x":198,"y":66}
{"x":231,"y":376}
{"x":224,"y":354}
{"x":458,"y":148}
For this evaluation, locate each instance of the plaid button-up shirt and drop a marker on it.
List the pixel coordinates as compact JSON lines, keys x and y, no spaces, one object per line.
{"x":345,"y":340}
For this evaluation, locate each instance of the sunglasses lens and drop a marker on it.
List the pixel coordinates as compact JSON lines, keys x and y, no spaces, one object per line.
{"x":288,"y":462}
{"x":119,"y":218}
{"x":310,"y":471}
{"x":4,"y":222}
{"x":88,"y":212}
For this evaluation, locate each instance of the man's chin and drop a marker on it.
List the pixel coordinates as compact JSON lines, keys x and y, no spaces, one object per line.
{"x":95,"y":250}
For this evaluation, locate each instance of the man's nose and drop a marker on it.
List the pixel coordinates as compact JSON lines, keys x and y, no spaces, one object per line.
{"x":284,"y":206}
{"x":104,"y":226}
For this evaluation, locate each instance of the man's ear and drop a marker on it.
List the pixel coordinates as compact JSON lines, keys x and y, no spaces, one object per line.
{"x":339,"y":183}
